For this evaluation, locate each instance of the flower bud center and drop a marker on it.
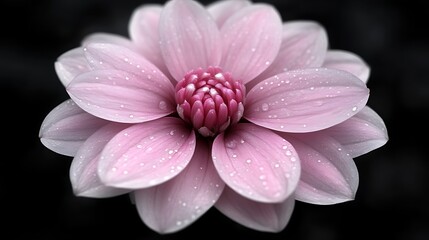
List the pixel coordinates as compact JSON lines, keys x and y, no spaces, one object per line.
{"x":210,"y":100}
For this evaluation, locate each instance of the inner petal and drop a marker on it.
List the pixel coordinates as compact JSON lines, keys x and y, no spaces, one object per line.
{"x":210,"y":100}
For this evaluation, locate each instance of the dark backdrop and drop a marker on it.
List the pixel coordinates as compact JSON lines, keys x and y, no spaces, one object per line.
{"x":36,"y":198}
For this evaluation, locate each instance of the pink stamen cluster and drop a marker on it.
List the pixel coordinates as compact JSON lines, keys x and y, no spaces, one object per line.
{"x":211,"y":100}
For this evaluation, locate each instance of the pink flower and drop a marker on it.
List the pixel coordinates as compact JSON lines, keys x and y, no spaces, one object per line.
{"x":223,"y":106}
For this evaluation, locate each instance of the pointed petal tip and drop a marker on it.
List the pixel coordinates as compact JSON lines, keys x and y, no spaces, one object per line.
{"x":318,"y":197}
{"x":265,"y":217}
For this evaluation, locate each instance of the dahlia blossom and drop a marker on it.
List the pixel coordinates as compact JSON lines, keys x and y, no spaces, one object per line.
{"x":221,"y":106}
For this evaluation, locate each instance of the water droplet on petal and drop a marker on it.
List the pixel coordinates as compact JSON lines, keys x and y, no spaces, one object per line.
{"x":162,"y":105}
{"x":231,"y":144}
{"x":264,"y":107}
{"x":354,"y":109}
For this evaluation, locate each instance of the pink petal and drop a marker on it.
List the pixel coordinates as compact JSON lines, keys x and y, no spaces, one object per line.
{"x":256,"y":163}
{"x":252,"y":39}
{"x":328,"y":173}
{"x":267,"y":217}
{"x":305,"y":100}
{"x":360,"y":134}
{"x":70,"y":64}
{"x":222,"y":10}
{"x":176,"y":204}
{"x":147,"y":154}
{"x":66,"y":127}
{"x":143,"y":29}
{"x":83,"y":170}
{"x":189,"y":38}
{"x":137,"y":92}
{"x":98,"y":38}
{"x":112,"y":56}
{"x":304,"y":45}
{"x":349,"y":62}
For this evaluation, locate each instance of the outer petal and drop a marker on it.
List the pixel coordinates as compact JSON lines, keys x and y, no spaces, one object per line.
{"x":349,"y":62}
{"x":119,"y":96}
{"x":112,"y":56}
{"x":329,"y":175}
{"x":83,"y":170}
{"x":70,"y":64}
{"x":304,"y":45}
{"x":252,"y":39}
{"x":305,"y":100}
{"x":136,"y":92}
{"x":147,"y":154}
{"x":222,"y":10}
{"x":66,"y":127}
{"x":256,"y":163}
{"x":174,"y":205}
{"x":189,"y":38}
{"x":144,"y":33}
{"x":360,"y":134}
{"x":98,"y":38}
{"x":269,"y":217}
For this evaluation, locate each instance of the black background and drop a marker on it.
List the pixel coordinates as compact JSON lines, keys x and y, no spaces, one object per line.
{"x":392,"y":200}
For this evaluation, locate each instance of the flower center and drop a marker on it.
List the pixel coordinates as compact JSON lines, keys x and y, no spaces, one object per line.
{"x":211,"y":100}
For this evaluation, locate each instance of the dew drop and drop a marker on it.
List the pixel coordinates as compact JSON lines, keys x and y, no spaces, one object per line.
{"x":231,"y":144}
{"x":162,"y":105}
{"x":264,"y":107}
{"x":249,"y":161}
{"x":354,"y":109}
